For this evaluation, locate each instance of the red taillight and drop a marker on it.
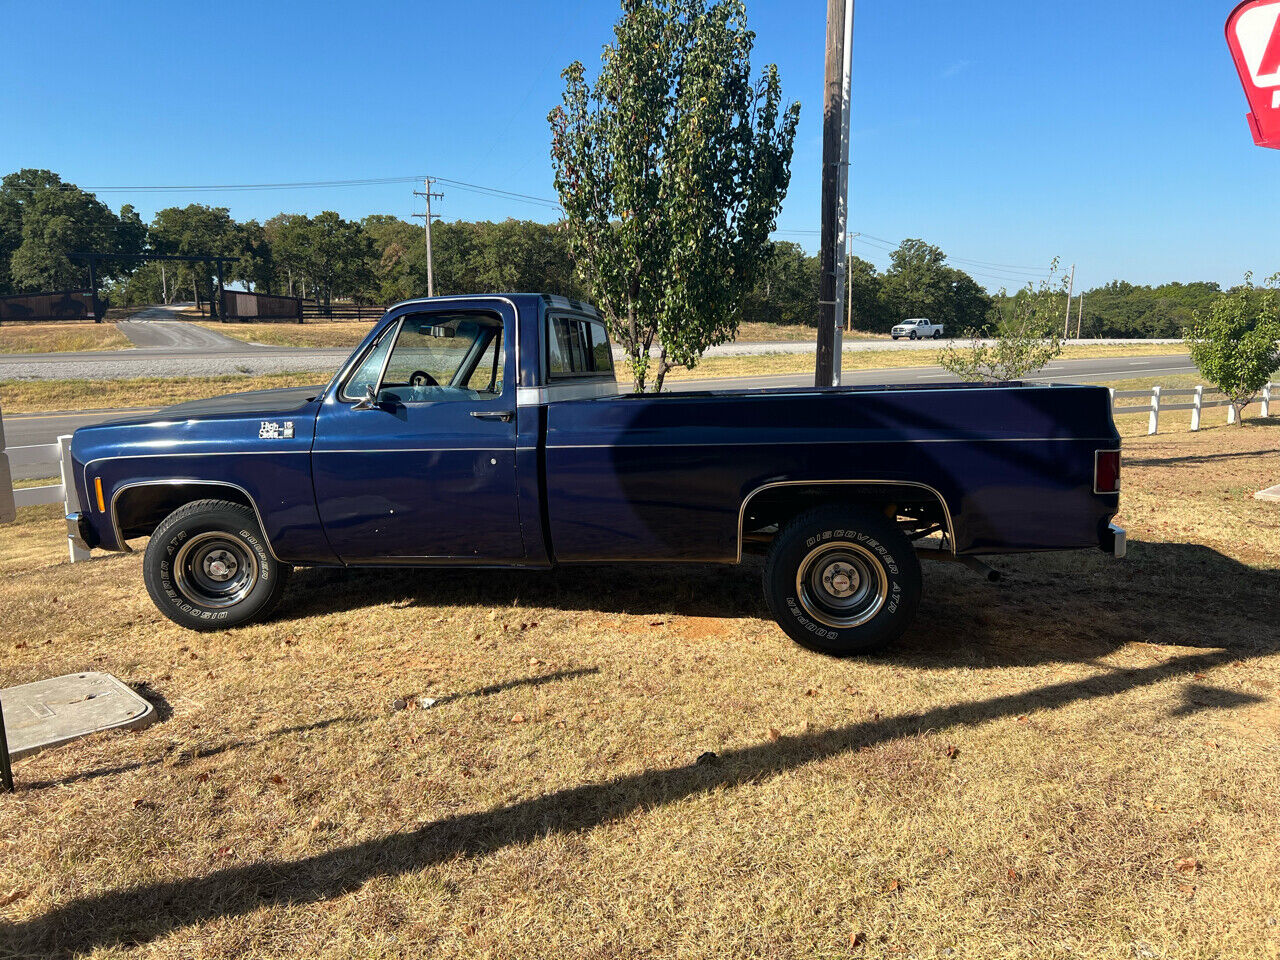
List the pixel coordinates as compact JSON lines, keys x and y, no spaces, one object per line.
{"x":1106,"y":471}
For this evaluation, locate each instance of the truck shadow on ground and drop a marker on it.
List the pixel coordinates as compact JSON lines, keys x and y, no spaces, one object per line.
{"x":1168,"y":593}
{"x":1049,"y":607}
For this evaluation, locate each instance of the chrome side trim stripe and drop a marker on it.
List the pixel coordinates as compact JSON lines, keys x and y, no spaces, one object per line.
{"x":813,"y":443}
{"x":580,"y":390}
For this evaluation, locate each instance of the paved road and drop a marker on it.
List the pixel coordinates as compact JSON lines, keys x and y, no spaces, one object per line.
{"x":175,"y":348}
{"x":28,"y":428}
{"x":162,"y":328}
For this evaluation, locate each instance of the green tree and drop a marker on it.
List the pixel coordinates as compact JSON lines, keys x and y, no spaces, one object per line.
{"x":863,"y":287}
{"x":287,"y":237}
{"x":785,"y":288}
{"x":338,"y":256}
{"x":919,"y":283}
{"x":192,"y":231}
{"x":1234,"y":342}
{"x":399,"y":257}
{"x":1025,"y":338}
{"x":44,"y":219}
{"x":671,"y":172}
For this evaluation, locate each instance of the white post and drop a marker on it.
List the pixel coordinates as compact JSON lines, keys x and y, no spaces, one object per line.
{"x":1154,"y":422}
{"x":1195,"y":409}
{"x":1266,"y":400}
{"x":77,"y":554}
{"x":8,"y":510}
{"x":1231,"y":412}
{"x":1112,"y":392}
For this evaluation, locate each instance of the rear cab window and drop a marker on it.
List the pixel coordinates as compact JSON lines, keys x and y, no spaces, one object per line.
{"x":577,"y":347}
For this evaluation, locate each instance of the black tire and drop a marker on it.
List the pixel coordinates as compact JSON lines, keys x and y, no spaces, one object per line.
{"x":207,"y":567}
{"x":895,"y":337}
{"x":914,"y":335}
{"x":937,"y":334}
{"x":881,"y":574}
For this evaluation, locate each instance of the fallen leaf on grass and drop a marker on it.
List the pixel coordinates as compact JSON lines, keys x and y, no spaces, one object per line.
{"x":952,"y":751}
{"x":13,"y":896}
{"x":517,"y":718}
{"x":857,"y":939}
{"x":1188,"y":865}
{"x":774,"y":733}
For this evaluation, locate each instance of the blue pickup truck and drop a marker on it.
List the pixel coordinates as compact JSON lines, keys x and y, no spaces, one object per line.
{"x":488,"y":431}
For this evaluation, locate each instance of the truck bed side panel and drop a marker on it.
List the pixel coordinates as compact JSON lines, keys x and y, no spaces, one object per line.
{"x":638,"y":478}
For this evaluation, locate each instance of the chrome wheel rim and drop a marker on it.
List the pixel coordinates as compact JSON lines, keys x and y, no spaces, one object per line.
{"x":841,"y":584}
{"x":215,"y":570}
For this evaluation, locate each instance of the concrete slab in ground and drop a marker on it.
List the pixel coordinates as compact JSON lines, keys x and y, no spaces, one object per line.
{"x":1271,"y":493}
{"x":48,"y":713}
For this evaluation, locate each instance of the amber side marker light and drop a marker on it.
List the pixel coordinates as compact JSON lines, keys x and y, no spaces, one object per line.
{"x":97,"y":489}
{"x":1106,"y":471}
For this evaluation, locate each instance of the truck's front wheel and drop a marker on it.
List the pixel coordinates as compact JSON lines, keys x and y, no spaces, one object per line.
{"x":207,"y":567}
{"x":842,"y":581}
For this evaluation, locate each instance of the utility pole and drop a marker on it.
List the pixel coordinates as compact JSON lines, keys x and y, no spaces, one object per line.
{"x":1071,"y":292}
{"x":835,"y":189}
{"x":426,"y":217}
{"x":848,"y":300}
{"x":1080,"y":316}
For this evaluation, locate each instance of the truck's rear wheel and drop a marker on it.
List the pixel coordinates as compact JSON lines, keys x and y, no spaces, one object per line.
{"x":842,"y":581}
{"x":937,"y":334}
{"x":207,"y":567}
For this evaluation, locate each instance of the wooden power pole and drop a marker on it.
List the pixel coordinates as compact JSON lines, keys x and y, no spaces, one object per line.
{"x":835,"y":190}
{"x":431,"y":280}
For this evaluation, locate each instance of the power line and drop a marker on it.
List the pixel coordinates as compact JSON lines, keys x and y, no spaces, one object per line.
{"x":326,"y":184}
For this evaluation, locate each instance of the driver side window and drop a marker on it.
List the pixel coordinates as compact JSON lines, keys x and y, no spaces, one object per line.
{"x":434,"y":358}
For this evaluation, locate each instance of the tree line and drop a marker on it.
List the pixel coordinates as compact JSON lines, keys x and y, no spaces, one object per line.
{"x":381,"y":259}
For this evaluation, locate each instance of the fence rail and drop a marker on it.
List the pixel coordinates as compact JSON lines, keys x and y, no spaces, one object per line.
{"x":56,"y":457}
{"x":1202,"y":398}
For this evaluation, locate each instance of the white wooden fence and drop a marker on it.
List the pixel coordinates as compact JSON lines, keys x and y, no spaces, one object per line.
{"x":56,"y":458}
{"x":1202,"y":398}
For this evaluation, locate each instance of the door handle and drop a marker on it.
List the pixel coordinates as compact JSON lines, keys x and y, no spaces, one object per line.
{"x":503,"y":415}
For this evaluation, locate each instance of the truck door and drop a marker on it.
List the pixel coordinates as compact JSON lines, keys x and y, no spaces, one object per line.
{"x":414,"y":455}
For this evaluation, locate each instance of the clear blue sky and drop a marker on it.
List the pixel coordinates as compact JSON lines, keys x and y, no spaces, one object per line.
{"x":1111,"y":134}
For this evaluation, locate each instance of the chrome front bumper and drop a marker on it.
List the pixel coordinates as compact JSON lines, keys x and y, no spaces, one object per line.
{"x":79,"y":532}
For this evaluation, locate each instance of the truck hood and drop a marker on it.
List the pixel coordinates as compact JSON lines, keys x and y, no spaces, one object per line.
{"x":268,"y":402}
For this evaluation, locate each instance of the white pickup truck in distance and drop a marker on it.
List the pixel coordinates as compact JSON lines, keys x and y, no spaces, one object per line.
{"x":917,"y":330}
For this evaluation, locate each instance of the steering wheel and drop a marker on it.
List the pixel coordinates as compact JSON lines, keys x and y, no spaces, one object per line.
{"x":420,"y":378}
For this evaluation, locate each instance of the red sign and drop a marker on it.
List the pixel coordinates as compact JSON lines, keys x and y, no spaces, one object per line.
{"x":1253,"y":34}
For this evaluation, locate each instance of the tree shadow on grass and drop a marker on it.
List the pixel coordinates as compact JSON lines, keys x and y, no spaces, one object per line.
{"x":1057,"y":607}
{"x":140,"y":914}
{"x":1052,"y":608}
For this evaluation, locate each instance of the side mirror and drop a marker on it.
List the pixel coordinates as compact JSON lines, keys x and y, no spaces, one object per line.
{"x":369,"y":401}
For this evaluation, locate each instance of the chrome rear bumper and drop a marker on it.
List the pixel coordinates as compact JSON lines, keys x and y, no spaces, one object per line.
{"x":1115,"y":541}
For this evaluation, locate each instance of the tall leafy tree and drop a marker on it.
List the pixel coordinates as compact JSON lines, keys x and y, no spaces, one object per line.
{"x":1025,"y":337}
{"x":192,"y":231}
{"x":337,"y":256}
{"x":671,"y":170}
{"x":1234,"y":342}
{"x":43,"y":219}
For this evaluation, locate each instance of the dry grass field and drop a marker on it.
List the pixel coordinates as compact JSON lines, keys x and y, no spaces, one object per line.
{"x":60,"y":337}
{"x":1080,"y":761}
{"x":336,"y":333}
